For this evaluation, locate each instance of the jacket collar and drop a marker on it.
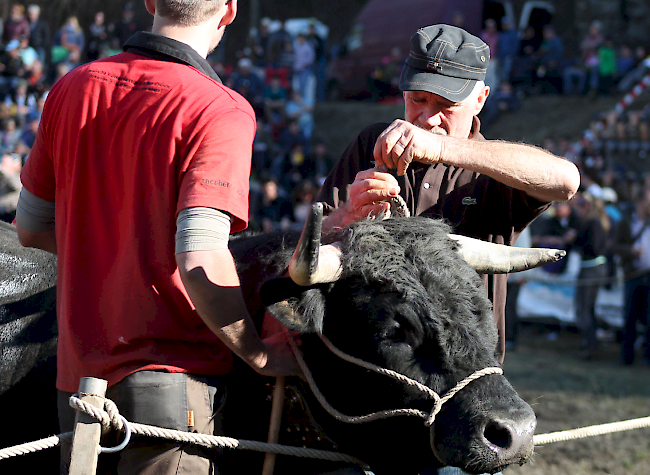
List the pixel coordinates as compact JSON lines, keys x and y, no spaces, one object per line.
{"x":162,"y":48}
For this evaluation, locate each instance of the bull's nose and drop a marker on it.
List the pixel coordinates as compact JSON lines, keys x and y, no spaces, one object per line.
{"x":512,"y":441}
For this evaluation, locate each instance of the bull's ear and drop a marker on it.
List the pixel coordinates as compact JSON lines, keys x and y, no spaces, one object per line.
{"x":297,"y":307}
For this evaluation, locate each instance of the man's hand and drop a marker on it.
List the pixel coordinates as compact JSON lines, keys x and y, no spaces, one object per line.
{"x":402,"y":143}
{"x":280,"y":360}
{"x":369,"y":195}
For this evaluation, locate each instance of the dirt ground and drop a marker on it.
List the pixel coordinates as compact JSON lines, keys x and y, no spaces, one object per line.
{"x":568,"y":393}
{"x":565,"y":392}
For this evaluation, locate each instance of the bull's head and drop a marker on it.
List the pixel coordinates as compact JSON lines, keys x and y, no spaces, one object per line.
{"x":313,"y":263}
{"x":430,"y":321}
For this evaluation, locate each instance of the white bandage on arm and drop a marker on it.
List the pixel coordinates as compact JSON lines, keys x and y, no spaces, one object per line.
{"x":202,"y":229}
{"x":34,"y":214}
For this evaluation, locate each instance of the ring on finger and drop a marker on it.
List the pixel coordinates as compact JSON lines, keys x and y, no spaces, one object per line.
{"x":401,"y":145}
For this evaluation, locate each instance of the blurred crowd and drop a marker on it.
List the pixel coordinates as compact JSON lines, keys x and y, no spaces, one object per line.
{"x":536,"y":62}
{"x":32,"y":59}
{"x":608,"y":225}
{"x":280,"y":73}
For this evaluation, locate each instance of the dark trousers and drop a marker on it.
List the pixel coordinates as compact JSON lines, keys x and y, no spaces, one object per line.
{"x":637,"y":293}
{"x":512,"y":318}
{"x":585,"y":300}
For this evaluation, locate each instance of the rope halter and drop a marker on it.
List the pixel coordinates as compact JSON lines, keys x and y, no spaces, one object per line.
{"x":429,"y":417}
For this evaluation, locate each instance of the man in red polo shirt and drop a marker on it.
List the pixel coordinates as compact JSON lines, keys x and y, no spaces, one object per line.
{"x":139,"y":172}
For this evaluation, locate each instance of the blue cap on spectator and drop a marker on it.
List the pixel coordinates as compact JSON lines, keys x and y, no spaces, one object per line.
{"x":12,"y":45}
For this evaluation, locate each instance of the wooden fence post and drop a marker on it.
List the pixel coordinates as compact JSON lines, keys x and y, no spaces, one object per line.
{"x":274,"y":424}
{"x":87,"y":429}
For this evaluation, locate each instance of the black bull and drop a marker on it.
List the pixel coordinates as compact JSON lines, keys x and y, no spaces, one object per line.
{"x":404,"y":301}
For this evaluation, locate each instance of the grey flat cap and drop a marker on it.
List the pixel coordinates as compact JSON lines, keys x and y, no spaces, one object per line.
{"x":445,"y":60}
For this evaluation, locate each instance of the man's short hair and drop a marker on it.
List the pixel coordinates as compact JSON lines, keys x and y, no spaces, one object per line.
{"x":188,"y":12}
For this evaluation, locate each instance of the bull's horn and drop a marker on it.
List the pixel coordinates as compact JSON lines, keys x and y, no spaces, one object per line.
{"x":491,"y":258}
{"x":312,"y":263}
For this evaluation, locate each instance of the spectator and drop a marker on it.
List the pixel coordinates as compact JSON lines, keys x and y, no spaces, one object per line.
{"x":16,"y":25}
{"x":264,"y":148}
{"x":10,"y":186}
{"x":625,"y":61}
{"x":249,"y":84}
{"x":551,"y":55}
{"x":39,"y":36}
{"x":286,"y":142}
{"x":606,"y":66}
{"x":291,"y":135}
{"x":301,"y":111}
{"x":320,"y":64}
{"x":284,"y":64}
{"x":127,"y":26}
{"x":559,"y":231}
{"x":504,"y":100}
{"x":99,"y":37}
{"x":591,"y":242}
{"x":28,"y":137}
{"x":524,"y":63}
{"x":296,"y":167}
{"x":23,"y":103}
{"x":633,"y":247}
{"x":11,"y":67}
{"x":303,"y":198}
{"x":60,"y":70}
{"x":587,"y":66}
{"x":490,"y":35}
{"x":9,"y":137}
{"x":303,"y":79}
{"x":69,"y":43}
{"x":277,"y":44}
{"x":275,"y":102}
{"x":260,"y":42}
{"x":384,"y":79}
{"x":274,"y":210}
{"x":40,"y":103}
{"x":507,"y":48}
{"x":323,"y":161}
{"x":28,"y":55}
{"x":37,"y":79}
{"x":515,"y":281}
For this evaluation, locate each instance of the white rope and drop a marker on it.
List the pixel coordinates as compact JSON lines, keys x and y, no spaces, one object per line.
{"x":111,"y":418}
{"x":31,"y":447}
{"x":591,"y":431}
{"x":430,"y":418}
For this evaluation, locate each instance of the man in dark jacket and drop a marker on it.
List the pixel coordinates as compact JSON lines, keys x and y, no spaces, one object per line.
{"x":39,"y":38}
{"x":633,"y":247}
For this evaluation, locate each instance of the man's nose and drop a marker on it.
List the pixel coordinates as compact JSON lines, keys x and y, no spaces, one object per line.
{"x":432,"y":117}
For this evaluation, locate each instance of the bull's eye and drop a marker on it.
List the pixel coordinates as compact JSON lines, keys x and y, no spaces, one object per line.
{"x":396,"y":333}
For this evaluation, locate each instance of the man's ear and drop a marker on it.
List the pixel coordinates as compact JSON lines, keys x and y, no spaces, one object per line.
{"x":480,"y":101}
{"x":231,"y":13}
{"x":151,"y":6}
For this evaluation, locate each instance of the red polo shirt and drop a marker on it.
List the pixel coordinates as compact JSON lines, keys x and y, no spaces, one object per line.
{"x":124,"y":144}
